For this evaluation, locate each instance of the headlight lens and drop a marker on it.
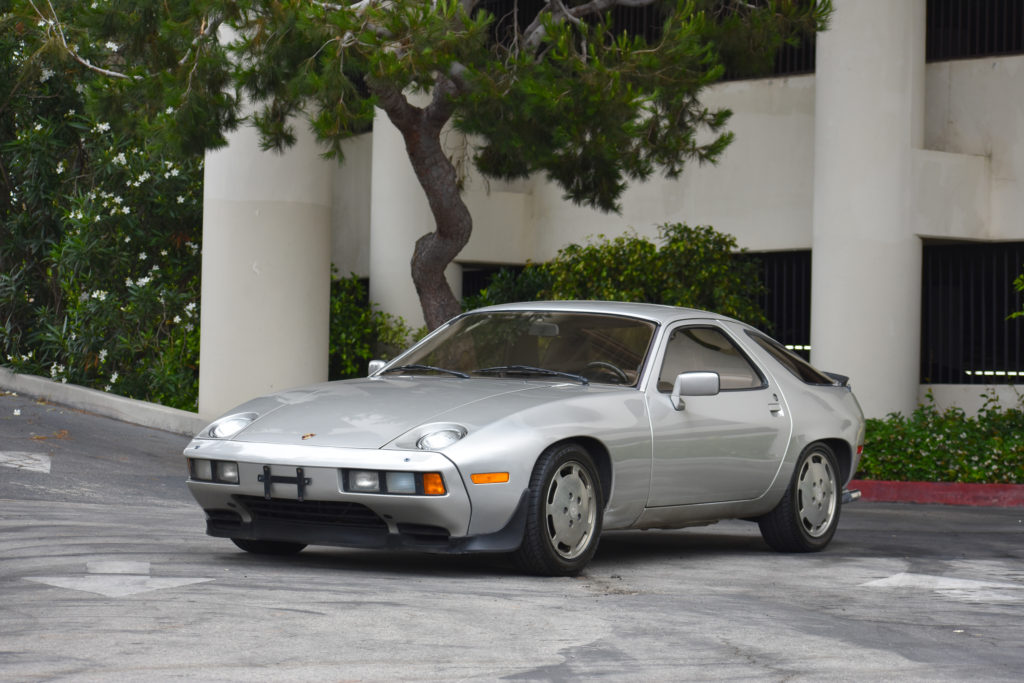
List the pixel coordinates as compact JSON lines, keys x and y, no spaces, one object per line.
{"x":442,"y":438}
{"x":227,"y":427}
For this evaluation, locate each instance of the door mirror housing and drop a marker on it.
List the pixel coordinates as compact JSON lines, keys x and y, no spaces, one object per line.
{"x":375,"y":367}
{"x":694,"y":384}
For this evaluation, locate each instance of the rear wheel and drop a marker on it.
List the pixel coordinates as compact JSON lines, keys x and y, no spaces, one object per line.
{"x":268,"y":547}
{"x":807,"y":516}
{"x":564,"y":515}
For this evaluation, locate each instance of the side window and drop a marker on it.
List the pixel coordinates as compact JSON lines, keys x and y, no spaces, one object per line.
{"x":706,"y":349}
{"x":792,"y":362}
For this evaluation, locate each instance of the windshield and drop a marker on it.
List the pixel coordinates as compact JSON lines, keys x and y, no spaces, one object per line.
{"x":584,"y":347}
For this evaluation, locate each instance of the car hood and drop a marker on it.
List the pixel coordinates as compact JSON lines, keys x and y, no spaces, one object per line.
{"x":371,"y":413}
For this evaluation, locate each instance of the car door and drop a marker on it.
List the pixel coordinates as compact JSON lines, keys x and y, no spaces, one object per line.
{"x":724,"y":447}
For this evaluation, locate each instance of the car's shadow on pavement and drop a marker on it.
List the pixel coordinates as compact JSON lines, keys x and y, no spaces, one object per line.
{"x":616,"y":548}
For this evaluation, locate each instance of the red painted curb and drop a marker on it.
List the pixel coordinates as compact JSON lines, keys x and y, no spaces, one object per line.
{"x":941,"y":493}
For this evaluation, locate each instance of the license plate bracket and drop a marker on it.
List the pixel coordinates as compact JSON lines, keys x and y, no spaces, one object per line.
{"x":300,"y":480}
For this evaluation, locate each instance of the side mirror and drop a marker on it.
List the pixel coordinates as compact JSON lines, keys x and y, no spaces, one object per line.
{"x":694,"y":384}
{"x":375,"y":367}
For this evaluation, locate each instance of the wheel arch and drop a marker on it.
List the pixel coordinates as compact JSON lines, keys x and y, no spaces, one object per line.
{"x":602,"y":461}
{"x":844,"y":457}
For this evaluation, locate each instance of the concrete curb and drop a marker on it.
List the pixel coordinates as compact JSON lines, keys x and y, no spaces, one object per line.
{"x":104,"y":404}
{"x":941,"y":493}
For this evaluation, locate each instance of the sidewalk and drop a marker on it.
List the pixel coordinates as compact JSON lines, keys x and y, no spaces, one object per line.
{"x":104,"y":404}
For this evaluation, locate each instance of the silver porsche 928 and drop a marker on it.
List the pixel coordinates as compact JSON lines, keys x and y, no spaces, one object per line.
{"x":530,"y":428}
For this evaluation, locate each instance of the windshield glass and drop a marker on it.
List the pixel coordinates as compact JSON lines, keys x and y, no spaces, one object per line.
{"x":585,"y":347}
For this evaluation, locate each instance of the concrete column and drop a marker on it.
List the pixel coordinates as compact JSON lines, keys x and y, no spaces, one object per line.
{"x":866,"y":272}
{"x":266,"y":270}
{"x":399,"y":216}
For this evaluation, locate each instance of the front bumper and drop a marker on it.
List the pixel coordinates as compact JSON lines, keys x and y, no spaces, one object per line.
{"x":303,"y":500}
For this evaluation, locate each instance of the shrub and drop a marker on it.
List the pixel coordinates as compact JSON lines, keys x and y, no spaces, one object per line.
{"x":693,"y":266}
{"x":948,"y":445}
{"x":359,"y":332}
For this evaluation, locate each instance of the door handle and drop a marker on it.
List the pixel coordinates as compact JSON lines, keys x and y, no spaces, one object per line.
{"x":775,"y":407}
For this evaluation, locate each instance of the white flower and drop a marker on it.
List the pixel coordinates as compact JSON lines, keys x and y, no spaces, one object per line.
{"x":177,"y":319}
{"x":142,"y":256}
{"x":107,"y":388}
{"x":143,"y":281}
{"x":127,"y":239}
{"x":163,"y":252}
{"x":112,"y":46}
{"x":101,"y":127}
{"x":46,"y":75}
{"x":103,"y":355}
{"x":181,"y":200}
{"x":144,"y":177}
{"x":126,"y":210}
{"x":120,"y":159}
{"x":38,"y":126}
{"x":113,"y":378}
{"x":60,"y":167}
{"x":169,"y":110}
{"x":99,"y":294}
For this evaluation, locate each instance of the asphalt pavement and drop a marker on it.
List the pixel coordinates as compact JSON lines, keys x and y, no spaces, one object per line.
{"x":106,"y":574}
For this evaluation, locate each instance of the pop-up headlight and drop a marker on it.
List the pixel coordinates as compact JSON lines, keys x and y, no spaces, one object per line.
{"x":227,"y":427}
{"x":442,"y":438}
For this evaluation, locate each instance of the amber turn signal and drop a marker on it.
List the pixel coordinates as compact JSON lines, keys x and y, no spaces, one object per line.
{"x":489,"y":478}
{"x":433,"y":484}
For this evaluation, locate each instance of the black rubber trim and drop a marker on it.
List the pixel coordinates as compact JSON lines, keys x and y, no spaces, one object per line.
{"x":506,"y":539}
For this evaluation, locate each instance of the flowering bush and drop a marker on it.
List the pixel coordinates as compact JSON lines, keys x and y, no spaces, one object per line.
{"x":934,"y":445}
{"x":99,"y":256}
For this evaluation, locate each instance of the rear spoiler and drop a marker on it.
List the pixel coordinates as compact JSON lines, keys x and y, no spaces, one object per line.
{"x":840,"y":380}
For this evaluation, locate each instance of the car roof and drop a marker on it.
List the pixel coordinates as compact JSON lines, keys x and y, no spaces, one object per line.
{"x":654,"y":312}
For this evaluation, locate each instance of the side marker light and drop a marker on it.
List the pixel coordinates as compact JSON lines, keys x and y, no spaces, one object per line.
{"x":489,"y":478}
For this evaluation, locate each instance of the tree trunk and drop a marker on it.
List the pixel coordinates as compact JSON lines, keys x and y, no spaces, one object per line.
{"x":421,"y":130}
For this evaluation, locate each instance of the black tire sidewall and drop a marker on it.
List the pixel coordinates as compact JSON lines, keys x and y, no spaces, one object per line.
{"x":536,"y":553}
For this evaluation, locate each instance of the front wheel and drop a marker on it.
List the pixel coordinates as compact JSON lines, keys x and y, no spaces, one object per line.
{"x":564,"y":515}
{"x":268,"y":547}
{"x":807,"y":516}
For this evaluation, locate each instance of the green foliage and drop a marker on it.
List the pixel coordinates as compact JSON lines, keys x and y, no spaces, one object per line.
{"x":693,"y":266}
{"x":359,"y":332}
{"x":99,"y":237}
{"x":1018,"y":284}
{"x":947,"y":446}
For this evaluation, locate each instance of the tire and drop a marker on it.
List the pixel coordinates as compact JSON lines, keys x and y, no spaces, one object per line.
{"x":564,"y":514}
{"x":268,"y":547}
{"x":806,"y":518}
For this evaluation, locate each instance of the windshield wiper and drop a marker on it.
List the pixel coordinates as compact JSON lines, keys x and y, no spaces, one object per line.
{"x":531,"y":370}
{"x":418,"y":366}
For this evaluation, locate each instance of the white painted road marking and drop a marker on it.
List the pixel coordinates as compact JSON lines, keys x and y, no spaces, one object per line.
{"x":36,"y":462}
{"x":114,"y":579}
{"x":959,"y":589}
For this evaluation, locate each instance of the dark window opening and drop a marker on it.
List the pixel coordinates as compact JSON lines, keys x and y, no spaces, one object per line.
{"x":965,"y":29}
{"x":787,"y":301}
{"x":967,"y":296}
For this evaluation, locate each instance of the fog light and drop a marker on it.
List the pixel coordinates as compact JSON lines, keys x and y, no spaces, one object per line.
{"x":433,"y":484}
{"x":227,"y":472}
{"x":363,"y":480}
{"x":202,"y":470}
{"x":400,"y":482}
